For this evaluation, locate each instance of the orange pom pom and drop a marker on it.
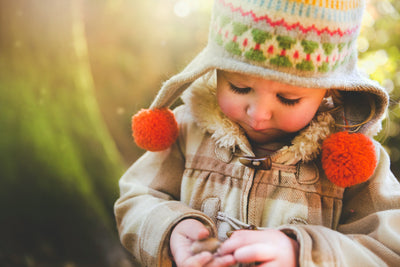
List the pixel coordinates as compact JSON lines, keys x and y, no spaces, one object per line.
{"x":154,"y":129}
{"x":348,"y":158}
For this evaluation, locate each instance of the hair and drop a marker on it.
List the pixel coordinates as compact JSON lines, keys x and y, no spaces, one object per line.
{"x":338,"y":104}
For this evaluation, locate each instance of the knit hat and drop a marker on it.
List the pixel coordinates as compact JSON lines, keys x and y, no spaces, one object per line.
{"x":306,"y":43}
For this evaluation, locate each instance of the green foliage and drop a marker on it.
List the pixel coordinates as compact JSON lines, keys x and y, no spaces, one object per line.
{"x":59,"y":166}
{"x":58,"y":175}
{"x":380,"y":57}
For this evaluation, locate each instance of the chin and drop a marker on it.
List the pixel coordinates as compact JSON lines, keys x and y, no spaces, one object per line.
{"x":262,"y":138}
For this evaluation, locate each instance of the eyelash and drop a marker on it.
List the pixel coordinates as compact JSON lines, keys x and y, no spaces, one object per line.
{"x":288,"y":102}
{"x":283,"y":100}
{"x":238,"y":90}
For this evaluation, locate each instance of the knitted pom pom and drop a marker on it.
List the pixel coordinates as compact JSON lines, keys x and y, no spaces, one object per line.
{"x":154,"y":129}
{"x":348,"y":158}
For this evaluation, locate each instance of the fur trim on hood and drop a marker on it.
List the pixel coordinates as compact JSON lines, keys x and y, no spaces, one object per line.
{"x":202,"y":101}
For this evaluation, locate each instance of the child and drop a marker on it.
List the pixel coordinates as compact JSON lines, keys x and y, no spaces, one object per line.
{"x":272,"y":152}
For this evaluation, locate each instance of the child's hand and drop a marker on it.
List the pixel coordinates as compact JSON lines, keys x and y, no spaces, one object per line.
{"x":183,"y":236}
{"x":266,"y":248}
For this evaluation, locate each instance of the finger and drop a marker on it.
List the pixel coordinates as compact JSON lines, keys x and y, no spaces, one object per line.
{"x":193,"y":229}
{"x":237,"y":240}
{"x":197,"y":260}
{"x":227,"y":260}
{"x":258,"y":252}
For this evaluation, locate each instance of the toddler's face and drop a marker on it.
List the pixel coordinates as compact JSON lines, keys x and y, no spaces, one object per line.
{"x":267,"y":110}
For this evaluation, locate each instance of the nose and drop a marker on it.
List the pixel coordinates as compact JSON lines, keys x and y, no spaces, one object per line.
{"x":259,"y":113}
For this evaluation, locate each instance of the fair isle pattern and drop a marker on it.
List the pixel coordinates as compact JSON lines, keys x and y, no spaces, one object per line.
{"x":340,"y":5}
{"x":287,"y":41}
{"x":333,"y":4}
{"x":327,"y":10}
{"x":289,"y":14}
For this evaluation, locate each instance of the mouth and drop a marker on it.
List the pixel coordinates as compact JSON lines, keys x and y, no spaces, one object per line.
{"x":259,"y":129}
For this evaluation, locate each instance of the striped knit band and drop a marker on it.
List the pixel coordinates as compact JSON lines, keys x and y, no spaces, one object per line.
{"x":306,"y":38}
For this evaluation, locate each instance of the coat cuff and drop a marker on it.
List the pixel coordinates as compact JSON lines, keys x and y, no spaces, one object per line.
{"x":156,"y":230}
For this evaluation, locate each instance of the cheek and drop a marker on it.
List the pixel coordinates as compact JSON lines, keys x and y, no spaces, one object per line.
{"x":230,"y":106}
{"x":296,"y":120}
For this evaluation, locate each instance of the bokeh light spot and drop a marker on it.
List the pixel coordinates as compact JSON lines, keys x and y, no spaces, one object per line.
{"x":182,"y":9}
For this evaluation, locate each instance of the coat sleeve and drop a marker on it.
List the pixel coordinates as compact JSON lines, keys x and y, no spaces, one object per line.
{"x":369,"y":231}
{"x":149,"y":207}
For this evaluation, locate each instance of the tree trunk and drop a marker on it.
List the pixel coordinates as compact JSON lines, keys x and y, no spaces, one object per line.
{"x":58,"y":165}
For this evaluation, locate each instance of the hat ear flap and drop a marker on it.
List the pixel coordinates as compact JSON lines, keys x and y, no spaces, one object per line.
{"x":348,"y":158}
{"x":154,"y":129}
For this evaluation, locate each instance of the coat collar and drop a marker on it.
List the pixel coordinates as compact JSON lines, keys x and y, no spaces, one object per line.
{"x":202,"y":101}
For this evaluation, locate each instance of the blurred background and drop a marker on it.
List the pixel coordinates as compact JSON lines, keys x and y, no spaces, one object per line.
{"x":72,"y":73}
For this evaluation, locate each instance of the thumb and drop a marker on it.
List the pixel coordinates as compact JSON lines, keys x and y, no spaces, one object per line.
{"x":182,"y":237}
{"x":193,"y":229}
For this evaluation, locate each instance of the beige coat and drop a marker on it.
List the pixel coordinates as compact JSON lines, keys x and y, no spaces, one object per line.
{"x":201,"y":177}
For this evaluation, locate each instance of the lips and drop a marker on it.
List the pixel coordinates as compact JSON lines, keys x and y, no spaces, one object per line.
{"x":261,"y":135}
{"x":264,"y":130}
{"x":258,"y":130}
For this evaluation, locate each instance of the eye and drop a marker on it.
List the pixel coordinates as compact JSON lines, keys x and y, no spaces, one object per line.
{"x":288,"y":101}
{"x":239,"y":90}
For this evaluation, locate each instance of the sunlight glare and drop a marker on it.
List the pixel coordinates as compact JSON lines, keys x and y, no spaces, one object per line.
{"x":362,"y":44}
{"x":368,"y":21}
{"x":372,"y":62}
{"x":182,"y":8}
